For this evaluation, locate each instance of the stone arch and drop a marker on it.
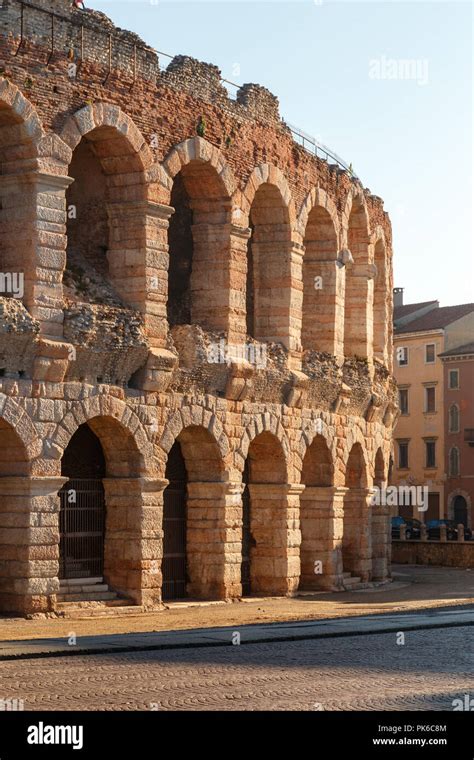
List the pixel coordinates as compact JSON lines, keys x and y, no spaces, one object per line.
{"x":323,"y":304}
{"x":381,"y":296}
{"x":199,"y":236}
{"x":317,"y":426}
{"x":317,"y":197}
{"x":199,"y":501}
{"x":116,"y":415}
{"x":265,"y":422}
{"x":196,"y":416}
{"x":356,"y":538}
{"x":107,"y":116}
{"x":200,"y":150}
{"x":106,"y":205}
{"x":23,"y":120}
{"x":358,"y":298}
{"x":355,"y":436}
{"x":269,"y":211}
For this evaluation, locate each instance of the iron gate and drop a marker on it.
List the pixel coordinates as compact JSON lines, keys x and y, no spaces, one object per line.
{"x":246,"y":535}
{"x":81,"y":529}
{"x":174,"y":527}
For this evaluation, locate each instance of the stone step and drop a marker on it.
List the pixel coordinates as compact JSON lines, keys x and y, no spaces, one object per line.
{"x":91,"y":596}
{"x":66,"y":582}
{"x":85,"y":589}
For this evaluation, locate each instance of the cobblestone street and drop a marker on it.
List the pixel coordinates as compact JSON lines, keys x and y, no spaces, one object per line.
{"x":370,"y":672}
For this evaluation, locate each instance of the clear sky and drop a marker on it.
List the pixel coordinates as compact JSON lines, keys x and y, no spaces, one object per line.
{"x":387,"y":85}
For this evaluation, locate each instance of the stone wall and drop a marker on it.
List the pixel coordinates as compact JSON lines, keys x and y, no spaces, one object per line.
{"x":299,"y":398}
{"x":441,"y":553}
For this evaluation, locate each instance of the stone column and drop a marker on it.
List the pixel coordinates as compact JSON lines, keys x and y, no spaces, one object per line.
{"x":134,"y":538}
{"x":323,"y":307}
{"x":321,"y":516}
{"x":356,"y":541}
{"x":359,"y":302}
{"x":381,"y":542}
{"x":29,"y":539}
{"x":275,"y":527}
{"x":33,"y":242}
{"x":138,"y":261}
{"x":214,"y":540}
{"x":278,"y":292}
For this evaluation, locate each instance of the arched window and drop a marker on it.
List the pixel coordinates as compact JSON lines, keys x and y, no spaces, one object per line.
{"x":454,"y":462}
{"x":454,"y":418}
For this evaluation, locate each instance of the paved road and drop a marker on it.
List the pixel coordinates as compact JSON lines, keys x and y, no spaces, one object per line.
{"x":369,"y":672}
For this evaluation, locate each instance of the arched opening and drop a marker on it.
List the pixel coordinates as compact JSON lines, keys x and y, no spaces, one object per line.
{"x":82,"y":513}
{"x":356,"y":554}
{"x":101,"y":525}
{"x":381,"y":303}
{"x":268,"y":268}
{"x":174,"y":567}
{"x":101,"y":240}
{"x":358,"y":301}
{"x":460,"y":512}
{"x":316,"y":517}
{"x":380,"y":529}
{"x":320,"y":284}
{"x":264,"y":537}
{"x":454,"y":462}
{"x":199,"y":243}
{"x":15,"y":508}
{"x":194,"y":558}
{"x":454,"y":418}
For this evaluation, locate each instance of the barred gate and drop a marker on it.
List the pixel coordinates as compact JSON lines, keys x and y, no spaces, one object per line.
{"x":82,"y":529}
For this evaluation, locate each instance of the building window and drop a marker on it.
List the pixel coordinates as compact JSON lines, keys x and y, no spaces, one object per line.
{"x":430,"y":353}
{"x":454,"y":462}
{"x":454,"y":379}
{"x":402,"y":356}
{"x":430,"y":399}
{"x":403,"y":400}
{"x":430,"y":447}
{"x":403,"y":455}
{"x":454,"y":418}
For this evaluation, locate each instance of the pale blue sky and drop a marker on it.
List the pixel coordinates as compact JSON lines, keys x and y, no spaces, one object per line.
{"x":410,"y":140}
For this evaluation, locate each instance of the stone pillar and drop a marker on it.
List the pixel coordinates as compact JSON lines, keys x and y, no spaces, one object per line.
{"x":356,"y":541}
{"x":381,"y":541}
{"x":134,"y":538}
{"x":278,"y":292}
{"x":443,"y":533}
{"x":460,"y":528}
{"x":323,"y":306}
{"x":275,"y":527}
{"x":359,"y":299}
{"x":214,"y":540}
{"x":423,"y":532}
{"x":29,"y":539}
{"x":33,"y":242}
{"x":321,"y":517}
{"x":138,"y":261}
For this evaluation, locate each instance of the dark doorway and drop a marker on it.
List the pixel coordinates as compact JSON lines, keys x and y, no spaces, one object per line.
{"x":174,"y":527}
{"x":460,"y":511}
{"x":82,"y":507}
{"x":246,"y":535}
{"x":180,"y":239}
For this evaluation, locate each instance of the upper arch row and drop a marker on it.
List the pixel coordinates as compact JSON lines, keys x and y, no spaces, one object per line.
{"x":53,"y":149}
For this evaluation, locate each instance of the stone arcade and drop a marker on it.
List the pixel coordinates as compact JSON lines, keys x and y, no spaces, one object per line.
{"x":152,"y":216}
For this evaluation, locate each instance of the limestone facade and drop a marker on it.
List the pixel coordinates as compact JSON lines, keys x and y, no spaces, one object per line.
{"x":190,"y":275}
